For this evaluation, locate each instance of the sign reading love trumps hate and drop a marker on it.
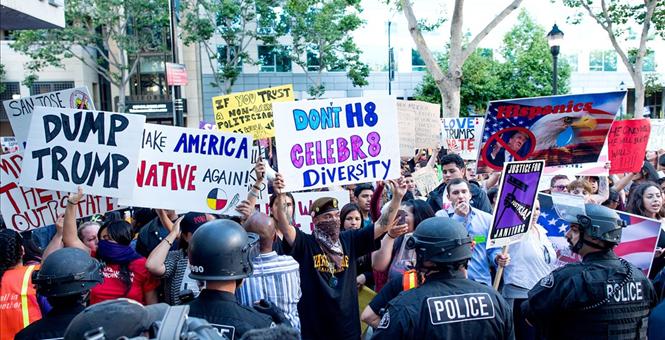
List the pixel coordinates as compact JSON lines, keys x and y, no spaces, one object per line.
{"x":95,"y":150}
{"x":337,"y":141}
{"x":192,"y":170}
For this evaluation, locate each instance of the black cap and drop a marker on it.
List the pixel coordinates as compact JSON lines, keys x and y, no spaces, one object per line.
{"x":192,"y":221}
{"x":323,"y":205}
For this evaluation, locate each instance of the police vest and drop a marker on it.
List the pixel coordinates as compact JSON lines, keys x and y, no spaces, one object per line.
{"x":18,"y":301}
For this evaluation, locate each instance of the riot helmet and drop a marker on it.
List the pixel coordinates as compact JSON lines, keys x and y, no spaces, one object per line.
{"x":221,"y":250}
{"x":599,"y":222}
{"x":67,"y":271}
{"x":440,"y":240}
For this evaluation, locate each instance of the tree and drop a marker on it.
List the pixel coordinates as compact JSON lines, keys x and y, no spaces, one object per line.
{"x":2,"y":79}
{"x":238,"y":23}
{"x":616,"y":17}
{"x":321,"y":33}
{"x":102,"y":34}
{"x":449,"y":83}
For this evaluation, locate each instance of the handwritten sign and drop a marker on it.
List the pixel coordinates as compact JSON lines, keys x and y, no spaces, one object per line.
{"x":426,"y":179}
{"x":19,"y":110}
{"x":29,"y":208}
{"x":250,"y":112}
{"x":657,"y":136}
{"x":303,"y":200}
{"x":419,"y":125}
{"x":96,"y":150}
{"x":462,"y":135}
{"x":337,"y":141}
{"x":627,"y":144}
{"x":192,"y":169}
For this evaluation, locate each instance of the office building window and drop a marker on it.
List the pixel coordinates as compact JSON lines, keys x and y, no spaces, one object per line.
{"x":10,"y":89}
{"x":313,"y":63}
{"x":417,"y":62}
{"x":224,"y":58}
{"x":600,"y":61}
{"x":40,"y":87}
{"x":274,"y":59}
{"x":572,"y":61}
{"x":649,"y":62}
{"x":150,"y":78}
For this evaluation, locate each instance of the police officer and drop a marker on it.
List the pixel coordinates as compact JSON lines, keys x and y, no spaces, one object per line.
{"x":447,"y":305}
{"x":220,"y":254}
{"x":65,"y":279}
{"x":601,"y":297}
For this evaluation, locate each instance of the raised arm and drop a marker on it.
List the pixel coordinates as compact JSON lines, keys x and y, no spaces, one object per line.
{"x":69,"y":232}
{"x":383,"y":224}
{"x":155,"y":261}
{"x":166,"y":217}
{"x":56,"y":241}
{"x":283,"y":224}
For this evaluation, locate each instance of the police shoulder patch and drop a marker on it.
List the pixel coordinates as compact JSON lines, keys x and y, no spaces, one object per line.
{"x":385,"y":321}
{"x":547,"y":281}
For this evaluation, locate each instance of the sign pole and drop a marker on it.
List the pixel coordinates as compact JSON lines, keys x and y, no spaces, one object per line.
{"x":499,"y":270}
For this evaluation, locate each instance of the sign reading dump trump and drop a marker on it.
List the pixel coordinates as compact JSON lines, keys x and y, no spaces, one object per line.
{"x":337,"y":141}
{"x":69,"y":148}
{"x":192,"y":170}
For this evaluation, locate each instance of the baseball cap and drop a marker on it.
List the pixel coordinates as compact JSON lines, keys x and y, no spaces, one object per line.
{"x":118,"y":318}
{"x":192,"y":221}
{"x":323,"y":205}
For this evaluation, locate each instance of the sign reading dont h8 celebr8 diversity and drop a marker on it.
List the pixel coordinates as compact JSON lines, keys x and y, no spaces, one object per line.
{"x":337,"y":141}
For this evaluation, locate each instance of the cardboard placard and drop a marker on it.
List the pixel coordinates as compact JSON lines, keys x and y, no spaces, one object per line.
{"x":657,"y":136}
{"x":627,"y":142}
{"x":426,"y":179}
{"x":419,"y":126}
{"x":462,"y":135}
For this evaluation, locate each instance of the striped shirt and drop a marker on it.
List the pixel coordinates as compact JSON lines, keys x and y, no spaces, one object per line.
{"x":276,"y":278}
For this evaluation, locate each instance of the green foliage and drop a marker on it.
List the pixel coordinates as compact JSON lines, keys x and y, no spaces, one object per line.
{"x":652,"y":84}
{"x":622,"y":15}
{"x":2,"y":79}
{"x":322,"y":29}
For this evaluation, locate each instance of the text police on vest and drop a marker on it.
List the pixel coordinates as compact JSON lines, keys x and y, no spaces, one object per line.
{"x":458,"y":308}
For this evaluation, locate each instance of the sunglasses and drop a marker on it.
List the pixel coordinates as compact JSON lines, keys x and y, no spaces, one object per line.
{"x":560,"y":187}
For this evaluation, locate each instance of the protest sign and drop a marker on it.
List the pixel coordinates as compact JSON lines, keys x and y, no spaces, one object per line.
{"x":303,"y":200}
{"x":462,"y":135}
{"x":19,"y":110}
{"x":425,"y":134}
{"x":627,"y":142}
{"x":8,"y":144}
{"x":206,"y":125}
{"x":191,"y":170}
{"x":426,"y":179}
{"x":28,"y":208}
{"x":337,"y":141}
{"x":638,"y":239}
{"x":95,"y":150}
{"x":600,"y":168}
{"x":517,"y":192}
{"x":657,"y":136}
{"x":250,"y":112}
{"x":561,"y":130}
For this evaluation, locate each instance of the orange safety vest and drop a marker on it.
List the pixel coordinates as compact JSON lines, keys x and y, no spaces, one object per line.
{"x":18,"y":301}
{"x":411,"y":280}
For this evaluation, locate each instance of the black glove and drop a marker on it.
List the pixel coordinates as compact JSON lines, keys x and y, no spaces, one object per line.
{"x":268,"y":308}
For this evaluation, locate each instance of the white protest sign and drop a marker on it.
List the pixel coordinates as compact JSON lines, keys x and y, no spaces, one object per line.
{"x":406,"y":126}
{"x":19,"y":110}
{"x":192,"y":170}
{"x":95,"y":150}
{"x":321,"y":143}
{"x":657,"y":136}
{"x":419,"y":126}
{"x":426,"y":179}
{"x":303,"y":200}
{"x":462,"y":135}
{"x":28,"y":208}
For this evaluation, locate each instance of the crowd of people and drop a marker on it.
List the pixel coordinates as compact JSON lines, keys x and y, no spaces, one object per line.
{"x":425,"y":254}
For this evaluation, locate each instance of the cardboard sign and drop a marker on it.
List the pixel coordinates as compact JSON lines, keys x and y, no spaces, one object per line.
{"x":303,"y":200}
{"x":192,"y":170}
{"x":657,"y":136}
{"x":96,"y":150}
{"x":176,"y":74}
{"x":517,"y":193}
{"x":638,"y":240}
{"x":462,"y":135}
{"x":599,"y":168}
{"x":8,"y":144}
{"x":321,"y":143}
{"x":19,"y":111}
{"x":250,"y":112}
{"x":559,"y":129}
{"x":27,"y":208}
{"x":426,"y":179}
{"x":419,"y":125}
{"x":627,"y":143}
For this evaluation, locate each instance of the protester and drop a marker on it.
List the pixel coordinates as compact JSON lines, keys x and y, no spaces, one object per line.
{"x":647,"y":173}
{"x":646,"y":199}
{"x":351,"y":219}
{"x":87,"y":232}
{"x":65,"y":279}
{"x":559,"y":183}
{"x":452,"y":167}
{"x":443,"y":249}
{"x":363,"y":194}
{"x":153,"y":233}
{"x":19,"y":306}
{"x":276,"y":278}
{"x":411,"y":184}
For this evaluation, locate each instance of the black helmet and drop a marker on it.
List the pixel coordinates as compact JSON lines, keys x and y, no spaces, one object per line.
{"x":67,"y":271}
{"x":600,"y":222}
{"x":440,"y":240}
{"x":221,"y":250}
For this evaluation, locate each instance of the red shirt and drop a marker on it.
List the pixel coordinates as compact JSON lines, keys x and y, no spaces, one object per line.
{"x":113,"y":287}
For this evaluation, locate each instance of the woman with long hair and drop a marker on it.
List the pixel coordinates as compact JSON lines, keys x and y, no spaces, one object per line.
{"x":352,"y":218}
{"x":646,"y":200}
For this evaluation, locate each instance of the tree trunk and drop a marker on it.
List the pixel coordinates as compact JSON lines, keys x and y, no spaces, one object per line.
{"x":227,"y":86}
{"x":638,"y":80}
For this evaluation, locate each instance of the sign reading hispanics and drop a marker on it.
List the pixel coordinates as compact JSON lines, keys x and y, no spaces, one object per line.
{"x":19,"y":110}
{"x":517,"y":193}
{"x":192,"y":170}
{"x":337,"y":141}
{"x":250,"y":112}
{"x":96,"y":150}
{"x":462,"y":135}
{"x":560,"y":129}
{"x":29,"y":208}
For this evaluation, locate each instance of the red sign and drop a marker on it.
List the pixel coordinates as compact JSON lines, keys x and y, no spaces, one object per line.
{"x":627,"y":143}
{"x":176,"y":74}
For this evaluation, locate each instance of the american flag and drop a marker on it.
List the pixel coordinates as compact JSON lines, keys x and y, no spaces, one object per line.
{"x":638,"y":239}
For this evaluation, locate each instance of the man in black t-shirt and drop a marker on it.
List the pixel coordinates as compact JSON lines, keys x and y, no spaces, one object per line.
{"x":328,"y":308}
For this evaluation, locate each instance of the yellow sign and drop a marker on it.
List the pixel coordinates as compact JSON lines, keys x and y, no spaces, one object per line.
{"x":250,"y":112}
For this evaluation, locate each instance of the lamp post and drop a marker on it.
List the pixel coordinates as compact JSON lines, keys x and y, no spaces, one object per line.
{"x":554,"y":39}
{"x":391,"y":63}
{"x":622,"y":87}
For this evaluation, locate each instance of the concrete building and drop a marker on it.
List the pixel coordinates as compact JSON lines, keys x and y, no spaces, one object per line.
{"x":31,"y":14}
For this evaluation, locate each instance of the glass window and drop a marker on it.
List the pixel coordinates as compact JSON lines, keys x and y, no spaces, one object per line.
{"x":603,"y":61}
{"x":223,"y":57}
{"x":40,"y":87}
{"x":151,"y":76}
{"x":417,"y":62}
{"x":313,"y":63}
{"x":274,"y":59}
{"x":11,"y":88}
{"x":649,"y":64}
{"x":572,"y":61}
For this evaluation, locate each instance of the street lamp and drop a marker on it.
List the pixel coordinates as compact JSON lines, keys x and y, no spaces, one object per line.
{"x":622,"y":87}
{"x":554,"y":39}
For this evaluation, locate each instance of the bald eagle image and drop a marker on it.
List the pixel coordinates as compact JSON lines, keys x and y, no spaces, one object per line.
{"x":548,"y":128}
